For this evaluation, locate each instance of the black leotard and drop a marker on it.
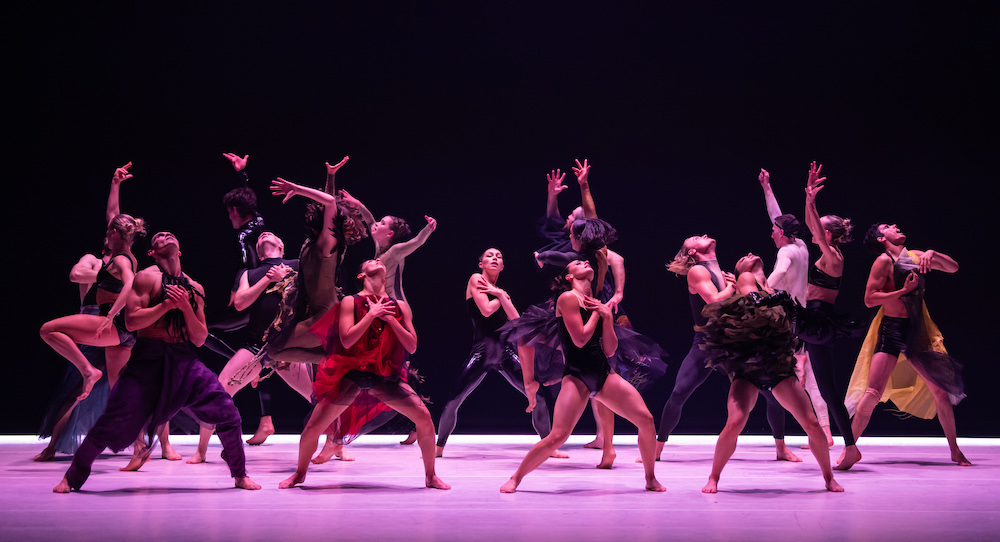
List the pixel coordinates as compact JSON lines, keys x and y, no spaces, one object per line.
{"x":587,"y":363}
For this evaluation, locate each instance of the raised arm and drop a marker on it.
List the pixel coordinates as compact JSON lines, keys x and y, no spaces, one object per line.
{"x":325,"y":241}
{"x":770,"y":202}
{"x":813,"y":221}
{"x":239,"y":165}
{"x":582,"y":172}
{"x":331,"y":173}
{"x":555,"y":186}
{"x":121,"y":174}
{"x":404,"y":249}
{"x":366,"y":215}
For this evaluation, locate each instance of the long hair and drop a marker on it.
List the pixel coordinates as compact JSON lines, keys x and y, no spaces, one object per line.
{"x":682,"y":262}
{"x":840,"y":229}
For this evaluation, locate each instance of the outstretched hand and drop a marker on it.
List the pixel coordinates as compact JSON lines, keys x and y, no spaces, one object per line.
{"x":582,"y":171}
{"x":346,"y":197}
{"x":555,"y":179}
{"x":330,"y":170}
{"x":764,"y":177}
{"x":281,"y":187}
{"x":238,"y":163}
{"x":814,"y":172}
{"x":431,"y":223}
{"x":122,"y":174}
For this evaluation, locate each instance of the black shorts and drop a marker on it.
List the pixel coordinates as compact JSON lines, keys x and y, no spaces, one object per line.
{"x":892,"y":335}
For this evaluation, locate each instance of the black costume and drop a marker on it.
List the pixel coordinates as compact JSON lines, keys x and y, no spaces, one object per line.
{"x":588,"y":364}
{"x":489,"y":353}
{"x":694,"y":371}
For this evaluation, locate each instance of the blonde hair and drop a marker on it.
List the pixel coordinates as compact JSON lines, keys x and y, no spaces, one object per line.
{"x":683,"y":261}
{"x":840,"y":229}
{"x":128,"y":227}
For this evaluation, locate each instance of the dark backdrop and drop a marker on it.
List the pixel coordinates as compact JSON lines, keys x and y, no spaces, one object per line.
{"x":459,"y":111}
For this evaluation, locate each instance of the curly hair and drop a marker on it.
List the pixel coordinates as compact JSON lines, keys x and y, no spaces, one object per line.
{"x":400,"y":230}
{"x":840,"y":229}
{"x":243,"y":199}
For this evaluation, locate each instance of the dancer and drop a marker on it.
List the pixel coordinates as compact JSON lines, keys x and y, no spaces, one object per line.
{"x":903,"y":343}
{"x":751,"y":337}
{"x":332,"y":226}
{"x":365,"y":335}
{"x":166,"y":309}
{"x":69,"y":418}
{"x":259,"y":294}
{"x":114,"y":281}
{"x":819,"y":325}
{"x":707,"y":284}
{"x":789,"y":274}
{"x":586,"y":327}
{"x":489,"y":308}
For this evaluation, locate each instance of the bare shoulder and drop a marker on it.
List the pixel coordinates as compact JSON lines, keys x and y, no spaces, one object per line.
{"x":195,"y":284}
{"x":147,"y":278}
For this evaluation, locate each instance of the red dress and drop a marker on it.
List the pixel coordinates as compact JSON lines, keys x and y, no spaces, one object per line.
{"x":376,"y":358}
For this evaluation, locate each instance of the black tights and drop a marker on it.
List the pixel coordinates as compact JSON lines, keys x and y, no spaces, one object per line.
{"x":482,"y":361}
{"x":692,"y":374}
{"x":821,"y":358}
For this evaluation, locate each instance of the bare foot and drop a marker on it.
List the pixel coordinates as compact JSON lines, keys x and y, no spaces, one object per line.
{"x":329,"y":450}
{"x":261,"y":435}
{"x":509,"y":486}
{"x":559,"y":454}
{"x":48,"y":454}
{"x":784,"y":454}
{"x":711,"y":487}
{"x":139,"y":457}
{"x":89,"y":380}
{"x":832,"y":485}
{"x":61,"y":487}
{"x":168,"y":452}
{"x":958,"y":457}
{"x":850,"y":456}
{"x":197,"y":457}
{"x":653,"y":485}
{"x":410,"y":439}
{"x":829,"y":439}
{"x":292,"y":481}
{"x":607,"y":460}
{"x":440,"y":451}
{"x":595,"y":444}
{"x":246,"y":483}
{"x":843,"y":455}
{"x":343,"y":455}
{"x":436,"y":483}
{"x":659,"y":450}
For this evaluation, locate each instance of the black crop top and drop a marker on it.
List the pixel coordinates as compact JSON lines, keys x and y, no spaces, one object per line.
{"x":818,"y":278}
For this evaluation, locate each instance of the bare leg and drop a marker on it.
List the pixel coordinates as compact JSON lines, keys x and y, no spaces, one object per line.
{"x":742,"y":397}
{"x":946,"y":417}
{"x":620,"y":397}
{"x":606,"y":432}
{"x":201,"y":453}
{"x":332,"y":448}
{"x":598,"y":442}
{"x":807,"y":379}
{"x":569,"y":407}
{"x":265,"y":428}
{"x":791,"y":396}
{"x":166,"y":450}
{"x":323,"y":415}
{"x":414,"y":409}
{"x":116,"y":357}
{"x":878,"y":376}
{"x":410,"y":439}
{"x":49,"y":453}
{"x":63,"y":334}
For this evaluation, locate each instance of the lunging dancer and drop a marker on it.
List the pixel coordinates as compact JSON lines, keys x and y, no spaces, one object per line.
{"x":489,"y":308}
{"x":903,"y":340}
{"x":586,"y":327}
{"x":366,"y":336}
{"x":751,"y":337}
{"x":166,"y":309}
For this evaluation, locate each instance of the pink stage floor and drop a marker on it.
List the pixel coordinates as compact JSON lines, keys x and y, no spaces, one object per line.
{"x":904,"y":489}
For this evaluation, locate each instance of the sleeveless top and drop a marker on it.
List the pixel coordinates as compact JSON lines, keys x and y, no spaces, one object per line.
{"x":817,"y":277}
{"x":485,"y":327}
{"x":697,"y":302}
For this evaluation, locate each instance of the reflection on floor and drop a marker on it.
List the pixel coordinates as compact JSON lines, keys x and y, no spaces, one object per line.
{"x":904,"y":489}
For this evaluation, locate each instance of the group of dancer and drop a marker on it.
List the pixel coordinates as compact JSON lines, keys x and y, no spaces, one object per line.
{"x":771,"y":335}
